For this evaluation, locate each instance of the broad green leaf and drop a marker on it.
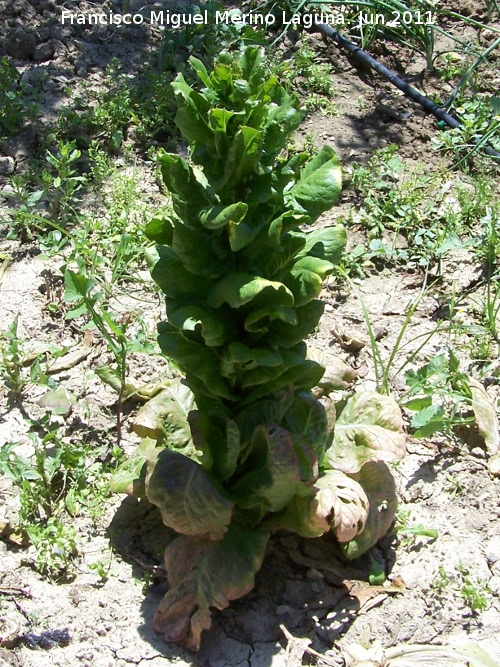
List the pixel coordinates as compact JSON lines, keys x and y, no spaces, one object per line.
{"x":429,"y":420}
{"x":218,"y":119}
{"x":219,"y":440}
{"x":273,"y":249}
{"x":189,"y":194}
{"x":192,"y":113}
{"x":196,"y":319}
{"x":77,"y":286}
{"x":320,"y":266}
{"x":194,"y":248}
{"x":327,"y":244}
{"x":200,"y":70}
{"x":238,"y":289}
{"x":164,"y":417}
{"x":243,"y":155}
{"x":190,"y":499}
{"x":199,"y":360}
{"x":290,"y":245}
{"x":378,"y":483}
{"x":130,"y":476}
{"x":274,"y":472}
{"x":305,"y":285}
{"x":203,"y":574}
{"x":160,"y":230}
{"x":174,"y":280}
{"x":261,"y":319}
{"x":245,"y":231}
{"x":220,"y":216}
{"x":307,"y":416}
{"x":305,"y":375}
{"x":252,"y":66}
{"x":238,"y":358}
{"x":369,"y":428}
{"x":319,"y":185}
{"x":269,"y":410}
{"x":287,"y":335}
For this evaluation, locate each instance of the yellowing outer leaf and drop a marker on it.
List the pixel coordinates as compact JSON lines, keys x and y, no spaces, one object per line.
{"x":369,"y":428}
{"x":487,"y":423}
{"x":378,"y":483}
{"x":337,"y":503}
{"x":350,"y":508}
{"x":166,"y":415}
{"x":338,"y":374}
{"x":203,"y":574}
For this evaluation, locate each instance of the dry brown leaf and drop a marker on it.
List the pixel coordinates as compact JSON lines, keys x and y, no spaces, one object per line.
{"x":487,"y":423}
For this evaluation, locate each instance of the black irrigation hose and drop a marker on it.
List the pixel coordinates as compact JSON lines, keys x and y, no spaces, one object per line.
{"x":409,"y":91}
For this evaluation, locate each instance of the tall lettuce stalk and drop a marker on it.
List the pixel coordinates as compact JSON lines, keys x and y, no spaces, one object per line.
{"x":241,"y":447}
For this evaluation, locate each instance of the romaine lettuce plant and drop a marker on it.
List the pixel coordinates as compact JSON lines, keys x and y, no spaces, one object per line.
{"x":241,"y":447}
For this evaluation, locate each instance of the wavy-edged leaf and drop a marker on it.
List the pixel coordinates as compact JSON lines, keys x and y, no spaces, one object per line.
{"x":130,"y":476}
{"x":197,"y":319}
{"x":305,"y":285}
{"x":262,"y":318}
{"x":160,"y":230}
{"x":238,"y":289}
{"x":307,"y":416}
{"x":221,"y":215}
{"x":274,"y":475}
{"x":337,"y":503}
{"x":189,"y":195}
{"x":305,"y":375}
{"x":173,"y":279}
{"x":190,"y":499}
{"x":164,"y":417}
{"x":269,"y":410}
{"x":378,"y":483}
{"x":286,"y":335}
{"x":237,"y":358}
{"x":327,"y":244}
{"x":197,"y":359}
{"x":369,"y":428}
{"x":338,"y":375}
{"x":204,"y":574}
{"x":243,"y":154}
{"x":219,"y":440}
{"x":319,"y":185}
{"x":194,"y":248}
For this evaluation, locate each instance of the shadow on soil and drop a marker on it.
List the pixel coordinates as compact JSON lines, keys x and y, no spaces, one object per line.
{"x":303,"y":585}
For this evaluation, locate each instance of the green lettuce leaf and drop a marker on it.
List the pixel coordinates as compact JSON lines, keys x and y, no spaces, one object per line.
{"x":202,"y":574}
{"x":320,"y":184}
{"x":275,"y":472}
{"x":307,"y":416}
{"x":195,"y":358}
{"x":238,"y":289}
{"x":190,"y":499}
{"x":327,"y":244}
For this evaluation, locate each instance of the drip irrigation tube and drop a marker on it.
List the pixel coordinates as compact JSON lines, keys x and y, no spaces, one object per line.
{"x":409,"y":91}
